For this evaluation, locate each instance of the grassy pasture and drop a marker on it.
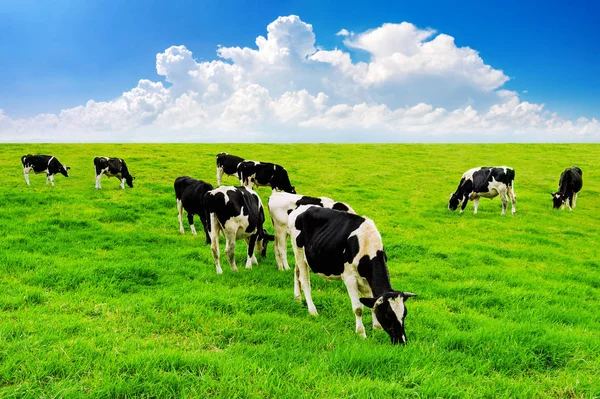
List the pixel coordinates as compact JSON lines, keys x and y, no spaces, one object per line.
{"x":100,"y":296}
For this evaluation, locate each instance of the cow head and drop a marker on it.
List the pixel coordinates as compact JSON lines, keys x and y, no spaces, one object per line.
{"x":129,"y":180}
{"x":63,"y":170}
{"x":454,"y":202}
{"x":558,"y":199}
{"x":262,"y":241}
{"x":390,"y":312}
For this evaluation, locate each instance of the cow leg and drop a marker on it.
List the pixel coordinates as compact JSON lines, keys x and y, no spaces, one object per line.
{"x":52,"y":180}
{"x":205,"y":226}
{"x":569,"y":201}
{"x":357,"y":306}
{"x":513,"y":199}
{"x":230,"y":249}
{"x":26,"y":175}
{"x":464,"y":203}
{"x":251,"y":259}
{"x":366,"y":292}
{"x":281,"y":247}
{"x":574,"y":200}
{"x":47,"y":178}
{"x":504,"y":202}
{"x":475,"y":205}
{"x":297,"y":293}
{"x":304,"y":279}
{"x":219,"y":175}
{"x":122,"y":184}
{"x":190,"y":217}
{"x":179,"y":215}
{"x":214,"y":241}
{"x":98,"y":178}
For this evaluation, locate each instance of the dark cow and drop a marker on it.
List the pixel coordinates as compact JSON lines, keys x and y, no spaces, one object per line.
{"x":280,"y":206}
{"x":571,"y":181}
{"x":190,"y":194}
{"x":485,"y":182}
{"x":340,"y":245}
{"x":47,"y":164}
{"x":239,"y":214}
{"x":112,"y":167}
{"x":253,"y":173}
{"x":227,"y":164}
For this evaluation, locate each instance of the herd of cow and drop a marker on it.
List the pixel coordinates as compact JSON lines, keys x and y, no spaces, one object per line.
{"x":327,"y":237}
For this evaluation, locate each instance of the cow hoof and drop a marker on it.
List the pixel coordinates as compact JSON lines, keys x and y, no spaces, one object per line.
{"x":313,"y":312}
{"x":298,"y":298}
{"x":219,"y":271}
{"x":181,"y":231}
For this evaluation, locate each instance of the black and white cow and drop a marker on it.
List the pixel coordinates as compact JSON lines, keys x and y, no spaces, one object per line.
{"x":485,"y":182}
{"x":47,"y":164}
{"x":341,"y":245}
{"x":238,"y":213}
{"x":281,"y":204}
{"x":190,"y":195}
{"x":258,"y":174}
{"x":571,"y":181}
{"x":227,"y":164}
{"x":112,"y":167}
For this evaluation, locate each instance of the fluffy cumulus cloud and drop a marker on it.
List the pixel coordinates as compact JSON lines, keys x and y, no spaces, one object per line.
{"x":415,"y":85}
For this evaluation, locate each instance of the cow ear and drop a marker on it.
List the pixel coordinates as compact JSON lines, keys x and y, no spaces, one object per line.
{"x":368,"y":302}
{"x":407,"y":295}
{"x":68,"y":168}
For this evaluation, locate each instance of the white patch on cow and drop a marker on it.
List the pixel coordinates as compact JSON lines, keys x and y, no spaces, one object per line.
{"x":397,"y":306}
{"x":223,"y":190}
{"x":468,"y":175}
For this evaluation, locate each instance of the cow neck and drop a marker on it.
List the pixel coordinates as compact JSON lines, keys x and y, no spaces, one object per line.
{"x":380,"y":284}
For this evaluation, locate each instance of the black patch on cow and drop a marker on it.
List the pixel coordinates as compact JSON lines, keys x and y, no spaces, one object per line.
{"x":191,"y":193}
{"x":305,"y":200}
{"x":265,"y":174}
{"x":116,"y":167}
{"x":325,"y":237}
{"x":44,"y":163}
{"x":340,"y":206}
{"x":228,"y":163}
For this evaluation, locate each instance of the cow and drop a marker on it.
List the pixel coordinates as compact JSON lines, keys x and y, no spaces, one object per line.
{"x":227,"y":164}
{"x":569,"y":185}
{"x":238,"y":213}
{"x":47,"y":164}
{"x":252,"y":173}
{"x":112,"y":167}
{"x":281,"y":204}
{"x":190,"y":195}
{"x":341,"y":245}
{"x":485,"y":182}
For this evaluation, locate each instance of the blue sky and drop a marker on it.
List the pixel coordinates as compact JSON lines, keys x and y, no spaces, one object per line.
{"x":60,"y":54}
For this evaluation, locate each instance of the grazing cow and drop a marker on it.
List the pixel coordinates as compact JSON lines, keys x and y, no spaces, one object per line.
{"x":280,"y":206}
{"x":238,"y":213}
{"x":253,"y":173}
{"x":112,"y":167}
{"x":227,"y":164}
{"x":190,"y":196}
{"x":340,"y":245}
{"x":570,"y":184}
{"x":485,"y":182}
{"x":47,"y":164}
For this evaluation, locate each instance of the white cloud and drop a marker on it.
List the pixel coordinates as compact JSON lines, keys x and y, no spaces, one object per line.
{"x":416,"y":85}
{"x":344,"y":32}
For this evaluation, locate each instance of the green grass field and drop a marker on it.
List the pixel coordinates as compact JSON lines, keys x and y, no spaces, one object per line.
{"x":100,"y":296}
